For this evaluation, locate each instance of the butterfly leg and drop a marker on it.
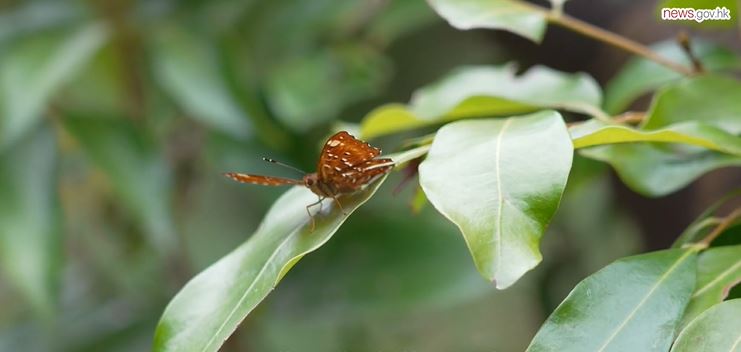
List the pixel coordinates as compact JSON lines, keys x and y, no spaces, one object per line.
{"x":339,"y":205}
{"x":313,"y":221}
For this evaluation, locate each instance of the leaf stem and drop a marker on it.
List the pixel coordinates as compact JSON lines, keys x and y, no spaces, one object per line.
{"x":724,"y":224}
{"x":630,"y":117}
{"x":615,"y":40}
{"x":626,"y":118}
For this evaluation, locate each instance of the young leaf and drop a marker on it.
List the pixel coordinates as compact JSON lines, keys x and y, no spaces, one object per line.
{"x":29,"y":234}
{"x":518,"y":17}
{"x":484,"y":91}
{"x":500,"y":181}
{"x":136,"y":170}
{"x":718,"y":269}
{"x":211,"y":305}
{"x":33,"y":71}
{"x":632,"y":304}
{"x":593,"y":133}
{"x":718,"y":329}
{"x":655,"y":170}
{"x":640,"y":76}
{"x":187,"y":69}
{"x":711,"y":99}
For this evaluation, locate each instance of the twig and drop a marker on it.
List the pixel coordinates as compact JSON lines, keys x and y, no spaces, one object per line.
{"x":630,"y":117}
{"x":724,"y":223}
{"x":684,"y":41}
{"x":613,"y":39}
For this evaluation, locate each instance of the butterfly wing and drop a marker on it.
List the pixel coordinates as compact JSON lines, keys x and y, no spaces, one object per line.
{"x":341,"y":153}
{"x":262,"y":180}
{"x":351,"y":180}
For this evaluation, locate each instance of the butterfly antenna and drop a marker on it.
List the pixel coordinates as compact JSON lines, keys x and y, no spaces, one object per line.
{"x":284,"y":165}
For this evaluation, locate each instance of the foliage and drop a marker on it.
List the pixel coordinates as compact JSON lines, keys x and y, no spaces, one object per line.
{"x":118,"y":119}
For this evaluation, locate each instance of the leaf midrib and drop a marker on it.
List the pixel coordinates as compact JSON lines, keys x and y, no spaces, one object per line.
{"x":497,"y":163}
{"x":717,"y":279}
{"x":644,"y":300}
{"x":246,"y":292}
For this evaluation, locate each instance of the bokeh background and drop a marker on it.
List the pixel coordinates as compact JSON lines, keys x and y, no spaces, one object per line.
{"x":119,"y":116}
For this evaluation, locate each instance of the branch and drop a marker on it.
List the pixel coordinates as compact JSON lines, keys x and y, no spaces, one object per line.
{"x":724,"y":224}
{"x":615,"y":40}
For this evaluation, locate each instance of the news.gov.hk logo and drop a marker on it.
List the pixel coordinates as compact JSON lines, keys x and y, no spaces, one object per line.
{"x":697,"y":15}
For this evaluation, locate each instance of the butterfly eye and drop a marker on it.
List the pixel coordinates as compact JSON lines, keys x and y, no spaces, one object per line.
{"x":309,"y":182}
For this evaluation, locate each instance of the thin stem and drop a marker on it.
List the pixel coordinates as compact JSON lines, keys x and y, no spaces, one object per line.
{"x":626,"y":118}
{"x":630,"y":117}
{"x":684,"y":41}
{"x":724,"y":224}
{"x":615,"y":40}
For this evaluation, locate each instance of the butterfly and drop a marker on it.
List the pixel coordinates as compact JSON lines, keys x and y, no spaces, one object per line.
{"x":346,"y":164}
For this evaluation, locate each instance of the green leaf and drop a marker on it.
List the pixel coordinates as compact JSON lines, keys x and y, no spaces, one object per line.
{"x":718,"y":269}
{"x":518,"y":17}
{"x":210,"y":307}
{"x":136,"y":170}
{"x":656,"y":170}
{"x":716,"y":330}
{"x":297,"y":90}
{"x":33,"y":71}
{"x":500,"y":181}
{"x":640,"y":76}
{"x":483,"y":91}
{"x":399,"y":18}
{"x":633,"y":304}
{"x":30,"y":246}
{"x":594,"y":132}
{"x":710,"y":99}
{"x":187,"y":68}
{"x":699,"y":108}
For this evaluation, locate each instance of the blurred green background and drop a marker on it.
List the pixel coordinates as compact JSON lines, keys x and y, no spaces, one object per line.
{"x":119,"y":116}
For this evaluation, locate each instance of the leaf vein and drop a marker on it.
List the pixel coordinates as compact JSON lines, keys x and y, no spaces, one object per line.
{"x":246,"y":292}
{"x":497,"y":165}
{"x":718,"y":278}
{"x":644,"y":300}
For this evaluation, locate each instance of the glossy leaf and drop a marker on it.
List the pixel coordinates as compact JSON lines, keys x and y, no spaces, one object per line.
{"x":718,"y":269}
{"x":29,"y":219}
{"x":136,"y":171}
{"x":187,"y":69}
{"x":716,"y":330}
{"x":211,"y":306}
{"x":32,"y":71}
{"x":482,"y":91}
{"x":713,"y":100}
{"x":518,"y":17}
{"x":640,"y":76}
{"x":593,"y":133}
{"x":633,"y":304}
{"x":500,"y":181}
{"x":656,"y":170}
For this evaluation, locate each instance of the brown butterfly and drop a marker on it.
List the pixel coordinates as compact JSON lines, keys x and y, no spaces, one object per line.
{"x":345,"y":165}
